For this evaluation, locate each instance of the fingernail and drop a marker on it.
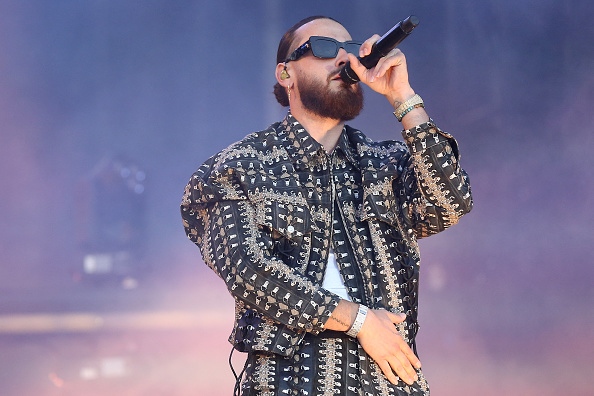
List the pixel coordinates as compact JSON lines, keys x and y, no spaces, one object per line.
{"x":418,"y":365}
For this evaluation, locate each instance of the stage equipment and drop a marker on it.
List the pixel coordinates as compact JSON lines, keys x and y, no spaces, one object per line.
{"x":111,"y":217}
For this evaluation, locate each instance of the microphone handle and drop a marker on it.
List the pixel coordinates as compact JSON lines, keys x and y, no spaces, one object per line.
{"x":381,"y":48}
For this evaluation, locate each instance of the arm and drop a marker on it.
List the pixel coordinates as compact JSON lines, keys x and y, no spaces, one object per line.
{"x":380,"y":339}
{"x":221,"y":217}
{"x":433,"y":187}
{"x":433,"y":192}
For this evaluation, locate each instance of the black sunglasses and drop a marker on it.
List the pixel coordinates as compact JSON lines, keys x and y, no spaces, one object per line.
{"x":324,"y":47}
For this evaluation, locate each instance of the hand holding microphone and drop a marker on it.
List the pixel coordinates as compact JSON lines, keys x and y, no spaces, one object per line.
{"x":381,"y":48}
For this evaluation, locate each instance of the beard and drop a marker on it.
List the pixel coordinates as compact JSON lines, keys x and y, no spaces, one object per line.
{"x":342,"y":104}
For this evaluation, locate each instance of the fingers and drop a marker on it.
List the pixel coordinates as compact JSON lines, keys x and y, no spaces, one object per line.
{"x":406,"y":350}
{"x":386,"y":346}
{"x":403,"y":369}
{"x":387,"y":370}
{"x":367,"y":45}
{"x":403,"y":361}
{"x":394,"y":59}
{"x":411,"y":358}
{"x":388,"y":77}
{"x":398,"y":366}
{"x":396,"y":317}
{"x":363,"y":73}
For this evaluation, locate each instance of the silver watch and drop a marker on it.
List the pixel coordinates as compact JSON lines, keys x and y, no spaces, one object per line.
{"x":358,"y":323}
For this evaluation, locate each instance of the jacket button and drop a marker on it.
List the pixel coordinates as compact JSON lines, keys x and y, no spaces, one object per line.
{"x":290,"y":229}
{"x":308,"y":326}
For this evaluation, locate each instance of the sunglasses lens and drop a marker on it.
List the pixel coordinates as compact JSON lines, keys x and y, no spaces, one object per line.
{"x":322,"y":48}
{"x":352,"y":48}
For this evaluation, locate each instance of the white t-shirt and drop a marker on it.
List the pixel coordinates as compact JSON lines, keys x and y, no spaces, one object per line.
{"x":332,"y":279}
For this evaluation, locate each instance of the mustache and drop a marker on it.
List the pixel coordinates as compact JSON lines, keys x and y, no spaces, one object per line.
{"x":332,"y":75}
{"x":343,"y":85}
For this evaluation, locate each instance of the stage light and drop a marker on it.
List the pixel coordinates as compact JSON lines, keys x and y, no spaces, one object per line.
{"x":111,"y":221}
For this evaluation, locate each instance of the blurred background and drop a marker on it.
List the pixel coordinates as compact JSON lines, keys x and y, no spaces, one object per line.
{"x":108,"y":106}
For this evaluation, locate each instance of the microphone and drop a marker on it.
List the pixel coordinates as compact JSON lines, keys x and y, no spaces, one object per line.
{"x":381,"y":48}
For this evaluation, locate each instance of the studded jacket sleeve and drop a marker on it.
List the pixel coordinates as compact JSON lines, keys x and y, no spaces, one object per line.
{"x":434,"y":191}
{"x":420,"y":189}
{"x":227,"y":216}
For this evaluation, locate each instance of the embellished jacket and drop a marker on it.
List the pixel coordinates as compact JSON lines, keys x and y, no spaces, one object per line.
{"x":265,"y":213}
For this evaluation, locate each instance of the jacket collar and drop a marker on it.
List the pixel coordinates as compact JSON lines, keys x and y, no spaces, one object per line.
{"x":303,"y":148}
{"x":346,"y":146}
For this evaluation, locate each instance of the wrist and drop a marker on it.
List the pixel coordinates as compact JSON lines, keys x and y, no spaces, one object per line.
{"x":358,"y":323}
{"x":343,"y":316}
{"x":397,"y":98}
{"x":408,"y":106}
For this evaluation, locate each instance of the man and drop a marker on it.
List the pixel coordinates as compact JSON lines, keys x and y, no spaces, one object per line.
{"x":313,"y":226}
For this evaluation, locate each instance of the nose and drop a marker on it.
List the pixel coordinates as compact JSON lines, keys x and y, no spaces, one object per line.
{"x":341,"y":57}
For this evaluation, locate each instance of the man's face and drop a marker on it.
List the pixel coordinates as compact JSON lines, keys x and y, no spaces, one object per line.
{"x":317,"y":83}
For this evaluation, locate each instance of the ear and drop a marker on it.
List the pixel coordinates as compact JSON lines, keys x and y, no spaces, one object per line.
{"x":282,"y":74}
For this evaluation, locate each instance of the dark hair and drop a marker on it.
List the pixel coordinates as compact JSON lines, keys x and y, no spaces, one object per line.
{"x":284,"y":46}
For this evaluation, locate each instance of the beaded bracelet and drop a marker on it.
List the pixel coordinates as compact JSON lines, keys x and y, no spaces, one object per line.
{"x":407,"y":110}
{"x":408,"y":106}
